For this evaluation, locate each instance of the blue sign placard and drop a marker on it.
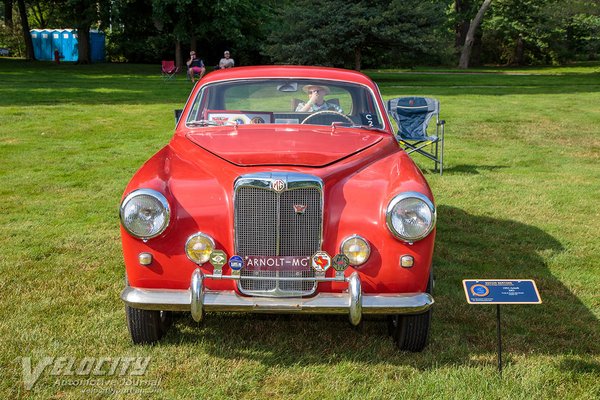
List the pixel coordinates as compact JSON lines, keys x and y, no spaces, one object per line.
{"x":501,"y":291}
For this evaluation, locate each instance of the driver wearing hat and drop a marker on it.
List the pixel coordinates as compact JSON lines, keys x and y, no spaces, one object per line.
{"x":316,"y":101}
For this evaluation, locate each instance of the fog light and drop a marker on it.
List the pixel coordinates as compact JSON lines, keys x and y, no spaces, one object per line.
{"x":357,"y":250}
{"x":407,"y":261}
{"x":145,"y":259}
{"x":198,"y":247}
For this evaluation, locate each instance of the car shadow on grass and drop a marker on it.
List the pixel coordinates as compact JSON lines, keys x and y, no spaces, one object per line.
{"x":467,"y":169}
{"x":468,"y":246}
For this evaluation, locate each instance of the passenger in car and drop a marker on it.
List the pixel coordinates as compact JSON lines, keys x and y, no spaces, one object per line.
{"x":316,"y":100}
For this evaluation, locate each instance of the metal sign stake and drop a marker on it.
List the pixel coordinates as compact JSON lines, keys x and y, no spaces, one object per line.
{"x":499,"y":340}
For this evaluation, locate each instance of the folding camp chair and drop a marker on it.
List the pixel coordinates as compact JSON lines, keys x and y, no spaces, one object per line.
{"x":169,"y":70}
{"x":412,"y":114}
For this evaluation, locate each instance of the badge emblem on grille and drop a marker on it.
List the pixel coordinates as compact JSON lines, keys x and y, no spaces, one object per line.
{"x":340,"y":262}
{"x":300,"y":208}
{"x":278,"y":185}
{"x":218,"y":258}
{"x":321,"y":261}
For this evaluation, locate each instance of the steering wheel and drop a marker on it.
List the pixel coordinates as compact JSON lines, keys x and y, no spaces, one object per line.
{"x":334,"y":115}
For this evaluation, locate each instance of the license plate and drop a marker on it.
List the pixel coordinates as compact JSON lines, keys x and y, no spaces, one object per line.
{"x":276,"y":263}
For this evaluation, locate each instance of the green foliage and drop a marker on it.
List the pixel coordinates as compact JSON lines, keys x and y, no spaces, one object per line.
{"x":583,"y":34}
{"x":146,"y":30}
{"x":353,"y":34}
{"x":343,"y":33}
{"x":135,"y":37}
{"x":541,"y":31}
{"x":12,"y":37}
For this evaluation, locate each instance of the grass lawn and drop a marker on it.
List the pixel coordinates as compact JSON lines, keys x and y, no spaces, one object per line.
{"x":519,"y":199}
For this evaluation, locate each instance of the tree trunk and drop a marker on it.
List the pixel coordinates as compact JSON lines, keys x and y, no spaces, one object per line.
{"x":462,"y":27}
{"x":8,"y":14}
{"x":83,"y":44}
{"x":520,"y":51}
{"x":476,"y":50}
{"x":465,"y":56}
{"x":357,"y":58}
{"x":193,"y":44}
{"x":178,"y":58}
{"x":29,"y":55}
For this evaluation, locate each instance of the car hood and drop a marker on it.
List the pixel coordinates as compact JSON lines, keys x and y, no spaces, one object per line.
{"x":261,"y":145}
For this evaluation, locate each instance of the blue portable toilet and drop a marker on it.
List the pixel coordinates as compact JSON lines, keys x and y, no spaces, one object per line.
{"x":97,"y":48}
{"x":46,"y":44}
{"x":36,"y":38}
{"x":45,"y":41}
{"x":42,"y":44}
{"x":56,"y":42}
{"x":69,"y":50}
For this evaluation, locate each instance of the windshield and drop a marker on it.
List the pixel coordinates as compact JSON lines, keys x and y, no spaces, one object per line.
{"x":285,"y":101}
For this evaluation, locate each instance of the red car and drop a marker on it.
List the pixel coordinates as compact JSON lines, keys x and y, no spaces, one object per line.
{"x":283,"y":190}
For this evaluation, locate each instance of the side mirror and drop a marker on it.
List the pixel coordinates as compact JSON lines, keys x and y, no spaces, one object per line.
{"x":177,"y":115}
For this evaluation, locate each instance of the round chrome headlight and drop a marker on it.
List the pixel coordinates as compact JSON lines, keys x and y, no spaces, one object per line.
{"x":198,"y":247}
{"x":357,"y":250}
{"x":410,"y":216}
{"x":145,"y":213}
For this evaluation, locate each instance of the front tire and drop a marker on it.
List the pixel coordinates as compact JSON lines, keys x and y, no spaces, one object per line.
{"x":411,"y":332}
{"x":147,"y":326}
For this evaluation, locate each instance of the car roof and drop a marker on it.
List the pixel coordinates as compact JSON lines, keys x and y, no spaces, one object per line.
{"x":289,"y":71}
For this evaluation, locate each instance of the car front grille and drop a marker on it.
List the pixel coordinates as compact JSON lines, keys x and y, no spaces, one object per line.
{"x":284,"y":222}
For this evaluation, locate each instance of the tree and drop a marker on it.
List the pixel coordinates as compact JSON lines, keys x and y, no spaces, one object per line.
{"x":8,"y":13}
{"x":346,"y":33}
{"x":83,"y":15}
{"x":29,"y":55}
{"x":465,"y":55}
{"x":527,"y":31}
{"x":464,"y":12}
{"x":148,"y":30}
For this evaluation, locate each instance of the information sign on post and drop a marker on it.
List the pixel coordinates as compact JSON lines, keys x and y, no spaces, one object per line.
{"x":501,"y":291}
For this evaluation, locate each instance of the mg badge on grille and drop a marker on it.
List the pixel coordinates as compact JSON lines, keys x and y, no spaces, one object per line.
{"x":299,"y":208}
{"x":278,"y":185}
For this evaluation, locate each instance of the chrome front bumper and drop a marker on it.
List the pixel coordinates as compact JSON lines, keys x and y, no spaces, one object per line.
{"x":198,"y":300}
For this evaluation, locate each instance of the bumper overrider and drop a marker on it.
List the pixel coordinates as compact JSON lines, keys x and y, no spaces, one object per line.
{"x":353,"y":302}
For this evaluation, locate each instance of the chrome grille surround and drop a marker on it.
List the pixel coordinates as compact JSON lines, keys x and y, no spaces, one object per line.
{"x":267,"y":223}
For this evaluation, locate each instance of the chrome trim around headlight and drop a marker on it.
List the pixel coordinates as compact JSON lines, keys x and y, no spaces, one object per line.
{"x":202,"y":234}
{"x":406,"y":195}
{"x":355,"y":236}
{"x":149,"y":192}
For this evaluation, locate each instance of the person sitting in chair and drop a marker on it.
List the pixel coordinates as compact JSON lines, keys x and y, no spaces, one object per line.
{"x":316,"y":100}
{"x":226,"y":61}
{"x":195,"y":66}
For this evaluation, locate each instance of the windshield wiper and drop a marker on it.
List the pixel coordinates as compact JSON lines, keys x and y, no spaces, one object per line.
{"x":206,"y":122}
{"x":203,"y":122}
{"x":368,"y":127}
